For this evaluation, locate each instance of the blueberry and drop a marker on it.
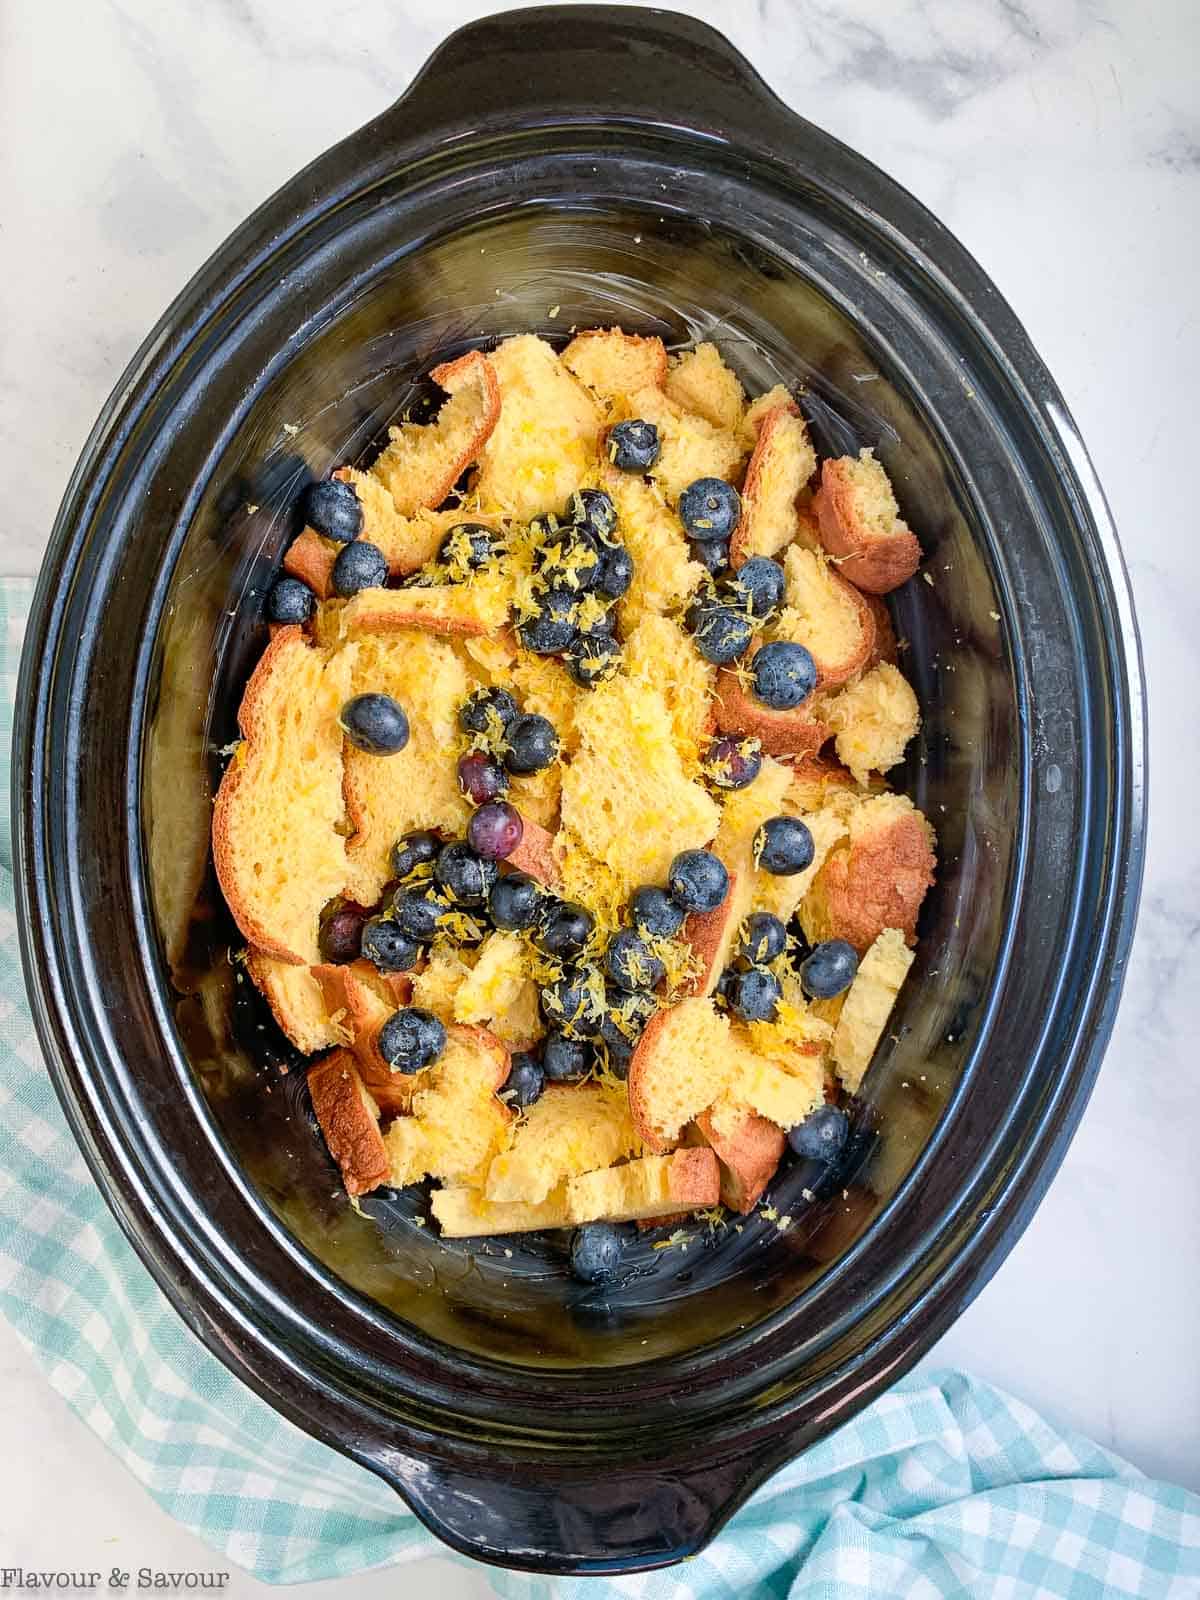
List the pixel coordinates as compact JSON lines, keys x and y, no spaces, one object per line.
{"x":763,"y":938}
{"x":593,"y":659}
{"x":359,"y":566}
{"x":783,"y":845}
{"x":756,"y":587}
{"x":410,"y":1039}
{"x":555,"y":627}
{"x":821,"y":1136}
{"x":698,"y":880}
{"x":721,"y":633}
{"x":466,"y":877}
{"x":488,"y":711}
{"x":571,"y":1004}
{"x":619,"y":1055}
{"x":615,"y":574}
{"x":631,"y":964}
{"x":596,"y":1251}
{"x":625,"y":1016}
{"x":655,"y":913}
{"x":709,"y":509}
{"x":525,"y":1082}
{"x":723,"y":992}
{"x":419,"y":912}
{"x":375,"y":723}
{"x":564,"y":1058}
{"x":467,"y":547}
{"x":633,"y":446}
{"x":755,"y":994}
{"x":414,"y":850}
{"x":385,"y":943}
{"x":340,"y":936}
{"x":783,"y":674}
{"x":571,"y":561}
{"x":532,"y":744}
{"x":593,"y":509}
{"x":731,"y":762}
{"x":515,"y":902}
{"x":713,"y":554}
{"x":291,"y":601}
{"x":481,"y":777}
{"x":495,"y":830}
{"x":565,"y":930}
{"x":332,"y":508}
{"x":829,"y":969}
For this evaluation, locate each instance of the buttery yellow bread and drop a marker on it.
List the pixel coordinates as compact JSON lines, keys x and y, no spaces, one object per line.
{"x":868,"y":1006}
{"x":284,"y":784}
{"x":799,"y":732}
{"x":499,"y":990}
{"x":349,"y":1119}
{"x":876,"y":879}
{"x":456,"y":1125}
{"x":650,"y":1188}
{"x":689,"y":446}
{"x":612,"y":363}
{"x":873,"y":720}
{"x":436,"y":986}
{"x":825,"y":614}
{"x":682,"y":1064}
{"x":749,"y":1149}
{"x":570,"y":1129}
{"x":479,"y":606}
{"x":782,"y":463}
{"x":663,"y":656}
{"x":699,"y":381}
{"x":297,"y":1002}
{"x":861,"y":525}
{"x":757,"y":410}
{"x":420,"y":465}
{"x":664,"y":574}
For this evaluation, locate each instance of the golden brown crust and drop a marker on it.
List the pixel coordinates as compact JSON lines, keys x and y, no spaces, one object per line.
{"x":488,"y":1045}
{"x":710,"y":935}
{"x":781,"y":733}
{"x":310,"y":558}
{"x":883,"y":647}
{"x":834,"y":673}
{"x":878,"y":882}
{"x":877,"y":563}
{"x":473,"y":367}
{"x":749,"y":1154}
{"x":350,"y":1130}
{"x":740,"y":545}
{"x":694,"y":1179}
{"x":641,"y":1066}
{"x":309,"y":1026}
{"x":535,"y":855}
{"x":355,"y":990}
{"x":385,"y":612}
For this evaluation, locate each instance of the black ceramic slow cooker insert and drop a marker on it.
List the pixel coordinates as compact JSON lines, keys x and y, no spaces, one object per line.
{"x":577,"y":166}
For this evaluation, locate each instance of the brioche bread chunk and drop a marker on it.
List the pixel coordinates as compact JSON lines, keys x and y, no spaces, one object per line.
{"x":873,"y":721}
{"x":546,"y":439}
{"x":388,"y":796}
{"x":569,"y":1129}
{"x":861,"y":525}
{"x":464,"y":1213}
{"x":420,"y":465}
{"x":760,"y":407}
{"x":664,"y":574}
{"x":712,"y":936}
{"x":536,"y":855}
{"x":456,"y":1125}
{"x":690,"y":447}
{"x":749,"y":1149}
{"x":699,"y":381}
{"x":826,"y":615}
{"x":362,"y":1000}
{"x":407,"y":542}
{"x":350,"y":1122}
{"x":782,"y":895}
{"x":782,"y":1084}
{"x":297,"y":1002}
{"x":818,"y":781}
{"x":782,"y":463}
{"x":625,"y":796}
{"x":545,"y":688}
{"x":613,"y":363}
{"x":310,"y":558}
{"x":435,"y":987}
{"x":480,"y":606}
{"x":756,"y":890}
{"x":876,"y":879}
{"x":278,"y":853}
{"x":682,"y":1064}
{"x":798,"y":732}
{"x":497,"y":982}
{"x":662,"y":655}
{"x":868,"y":1006}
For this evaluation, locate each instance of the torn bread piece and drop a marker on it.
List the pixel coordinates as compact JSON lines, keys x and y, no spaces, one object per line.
{"x":464,"y":1213}
{"x":682,"y":1064}
{"x":479,"y":606}
{"x":885,"y":647}
{"x":421,"y":464}
{"x":818,"y":781}
{"x":782,"y":463}
{"x":613,"y":363}
{"x":868,"y":1006}
{"x":699,"y":381}
{"x":349,"y":1119}
{"x":827,"y":615}
{"x":762,"y":406}
{"x":712,"y":936}
{"x":456,"y":1125}
{"x":297,"y":1002}
{"x":873,"y":720}
{"x":547,"y":436}
{"x":363,"y":1000}
{"x":663,"y":655}
{"x":861,"y":525}
{"x":664,"y":574}
{"x":690,"y":447}
{"x":568,"y":1130}
{"x":749,"y":1149}
{"x":498,"y":990}
{"x":798,"y":732}
{"x":280,"y":800}
{"x":876,"y":879}
{"x":310,"y":558}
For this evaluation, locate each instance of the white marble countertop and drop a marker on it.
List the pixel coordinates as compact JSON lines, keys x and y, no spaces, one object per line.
{"x":1060,"y":140}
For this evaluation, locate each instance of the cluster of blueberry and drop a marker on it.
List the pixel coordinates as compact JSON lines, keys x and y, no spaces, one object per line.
{"x":578,"y":555}
{"x":507,"y":742}
{"x":750,"y":988}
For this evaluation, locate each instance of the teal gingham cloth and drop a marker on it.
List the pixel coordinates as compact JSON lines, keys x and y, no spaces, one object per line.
{"x":943,"y":1487}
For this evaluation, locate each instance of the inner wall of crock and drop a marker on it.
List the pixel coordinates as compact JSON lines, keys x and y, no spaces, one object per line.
{"x":549,"y":270}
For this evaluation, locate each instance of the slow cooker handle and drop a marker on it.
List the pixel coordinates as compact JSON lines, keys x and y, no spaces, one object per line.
{"x":586,"y":63}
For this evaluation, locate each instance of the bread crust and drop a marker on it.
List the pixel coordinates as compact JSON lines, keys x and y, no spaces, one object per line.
{"x":453,"y":376}
{"x":709,"y":933}
{"x":535,"y":855}
{"x":351,"y":1131}
{"x":743,"y":544}
{"x":308,"y":1034}
{"x":876,"y":563}
{"x":640,"y":1066}
{"x":749,"y":1155}
{"x":354,"y":990}
{"x":883,"y":646}
{"x":781,"y":733}
{"x":878,"y":882}
{"x":310,"y":558}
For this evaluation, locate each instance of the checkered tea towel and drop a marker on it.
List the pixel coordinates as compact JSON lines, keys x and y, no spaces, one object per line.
{"x":944,"y":1487}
